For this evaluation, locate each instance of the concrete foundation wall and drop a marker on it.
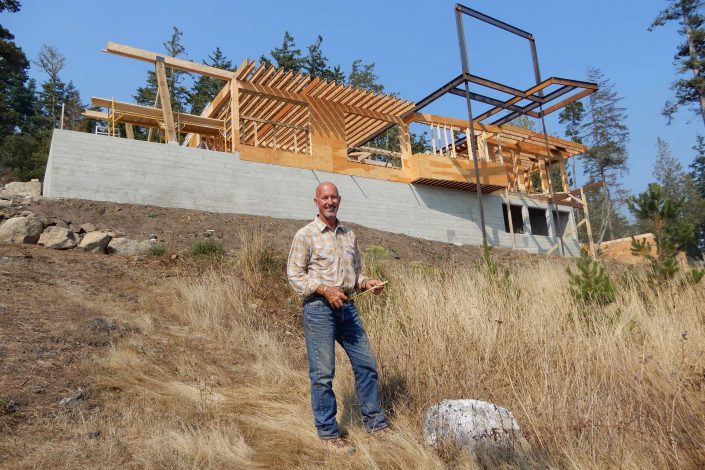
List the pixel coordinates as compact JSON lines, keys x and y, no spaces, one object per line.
{"x":102,"y":168}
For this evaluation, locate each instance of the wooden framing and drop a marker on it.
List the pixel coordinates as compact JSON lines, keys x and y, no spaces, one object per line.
{"x":272,"y":116}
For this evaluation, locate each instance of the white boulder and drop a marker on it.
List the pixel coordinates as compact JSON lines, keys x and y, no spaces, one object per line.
{"x":129,"y":247}
{"x":58,"y":238}
{"x":472,"y":423}
{"x":31,"y":188}
{"x":26,"y":229}
{"x":95,"y":242}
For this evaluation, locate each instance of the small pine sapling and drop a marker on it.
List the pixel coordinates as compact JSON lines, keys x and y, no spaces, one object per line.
{"x":591,"y":286}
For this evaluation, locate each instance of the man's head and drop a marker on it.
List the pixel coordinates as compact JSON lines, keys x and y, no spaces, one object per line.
{"x":327,"y":199}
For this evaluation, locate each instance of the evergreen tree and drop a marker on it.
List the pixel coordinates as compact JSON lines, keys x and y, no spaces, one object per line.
{"x":286,"y":57}
{"x":697,"y":176}
{"x":316,"y":64}
{"x":690,"y":55}
{"x":664,"y":216}
{"x":606,"y":135}
{"x":52,"y":62}
{"x":572,"y":118}
{"x":364,"y":76}
{"x":206,"y":88}
{"x":146,"y":95}
{"x":16,"y":98}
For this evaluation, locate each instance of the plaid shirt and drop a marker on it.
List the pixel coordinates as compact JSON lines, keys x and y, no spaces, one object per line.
{"x":320,"y":255}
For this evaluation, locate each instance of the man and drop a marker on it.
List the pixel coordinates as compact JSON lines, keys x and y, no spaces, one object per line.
{"x":324,"y":269}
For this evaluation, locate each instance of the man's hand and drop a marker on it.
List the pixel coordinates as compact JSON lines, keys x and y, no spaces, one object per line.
{"x":335,"y":296}
{"x":375,"y":285}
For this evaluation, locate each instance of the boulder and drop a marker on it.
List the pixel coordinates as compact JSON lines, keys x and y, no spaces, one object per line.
{"x":58,"y":238}
{"x":31,"y":188}
{"x":5,"y":202}
{"x":25,"y":229}
{"x":129,"y":247}
{"x":471,"y":423}
{"x":87,"y":228}
{"x":95,"y":242}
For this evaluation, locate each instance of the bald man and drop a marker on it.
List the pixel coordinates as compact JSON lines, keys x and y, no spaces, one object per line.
{"x":324,"y":269}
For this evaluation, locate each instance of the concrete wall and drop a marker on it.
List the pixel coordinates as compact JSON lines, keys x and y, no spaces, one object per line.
{"x":102,"y":168}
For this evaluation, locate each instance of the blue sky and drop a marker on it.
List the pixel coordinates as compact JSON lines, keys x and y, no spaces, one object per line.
{"x":413,"y":44}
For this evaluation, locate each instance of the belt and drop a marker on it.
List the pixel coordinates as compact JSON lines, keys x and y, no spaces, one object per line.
{"x":314,"y":296}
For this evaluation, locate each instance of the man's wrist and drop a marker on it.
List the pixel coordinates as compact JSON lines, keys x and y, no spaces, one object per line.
{"x":325,"y":289}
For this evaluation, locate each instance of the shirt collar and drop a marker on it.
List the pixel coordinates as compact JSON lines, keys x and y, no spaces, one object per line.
{"x":322,"y":225}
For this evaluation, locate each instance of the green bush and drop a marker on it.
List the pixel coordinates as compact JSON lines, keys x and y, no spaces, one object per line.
{"x":157,"y":250}
{"x":207,"y":247}
{"x":590,"y":285}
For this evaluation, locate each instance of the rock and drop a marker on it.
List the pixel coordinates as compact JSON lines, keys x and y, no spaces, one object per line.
{"x":87,"y":228}
{"x":472,"y":423}
{"x":32,"y":188}
{"x":59,"y":223}
{"x":11,"y":406}
{"x":5,"y":202}
{"x":58,"y":238}
{"x":95,"y":242}
{"x":79,"y":395}
{"x":128,"y":247}
{"x":21,"y":230}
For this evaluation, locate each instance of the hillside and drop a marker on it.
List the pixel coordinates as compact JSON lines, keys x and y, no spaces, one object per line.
{"x":182,"y":362}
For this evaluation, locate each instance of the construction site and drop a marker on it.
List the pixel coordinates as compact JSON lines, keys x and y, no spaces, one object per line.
{"x":280,"y":133}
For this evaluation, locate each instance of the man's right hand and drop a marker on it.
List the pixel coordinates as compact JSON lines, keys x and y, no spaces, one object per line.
{"x":335,"y":296}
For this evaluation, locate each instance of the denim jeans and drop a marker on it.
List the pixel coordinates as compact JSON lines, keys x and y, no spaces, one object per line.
{"x":323,"y":326}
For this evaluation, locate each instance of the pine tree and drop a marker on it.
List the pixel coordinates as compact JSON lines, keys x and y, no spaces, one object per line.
{"x":690,"y":55}
{"x":363,"y":76}
{"x":286,"y":57}
{"x":606,"y":135}
{"x":146,"y":95}
{"x":665,"y":219}
{"x":16,"y":99}
{"x":206,"y":88}
{"x":572,"y":118}
{"x":52,"y":62}
{"x":697,"y":175}
{"x":315,"y":63}
{"x":679,"y":185}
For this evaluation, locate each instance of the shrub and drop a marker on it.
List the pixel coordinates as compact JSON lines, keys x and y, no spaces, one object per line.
{"x":157,"y":250}
{"x":207,"y":247}
{"x":590,"y":285}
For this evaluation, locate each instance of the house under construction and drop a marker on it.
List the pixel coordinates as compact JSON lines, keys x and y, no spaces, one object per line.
{"x":269,"y":136}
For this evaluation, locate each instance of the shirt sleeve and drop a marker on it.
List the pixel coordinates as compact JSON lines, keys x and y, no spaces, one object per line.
{"x":357,"y":266}
{"x":296,"y":268}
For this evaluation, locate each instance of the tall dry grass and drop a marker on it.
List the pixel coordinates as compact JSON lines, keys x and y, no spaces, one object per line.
{"x":213,"y":379}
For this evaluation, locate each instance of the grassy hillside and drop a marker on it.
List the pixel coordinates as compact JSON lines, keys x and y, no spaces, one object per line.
{"x":213,"y":372}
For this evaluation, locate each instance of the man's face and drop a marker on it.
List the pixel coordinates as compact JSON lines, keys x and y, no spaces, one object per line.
{"x":327,"y":199}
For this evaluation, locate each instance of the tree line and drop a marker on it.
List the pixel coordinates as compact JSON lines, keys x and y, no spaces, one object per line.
{"x":29,"y":111}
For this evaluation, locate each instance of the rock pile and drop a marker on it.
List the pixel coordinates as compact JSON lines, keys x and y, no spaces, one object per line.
{"x":27,"y":227}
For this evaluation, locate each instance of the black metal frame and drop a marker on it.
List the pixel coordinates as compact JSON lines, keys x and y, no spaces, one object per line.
{"x":534,"y":94}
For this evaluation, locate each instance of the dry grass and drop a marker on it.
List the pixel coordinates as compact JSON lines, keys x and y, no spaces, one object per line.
{"x":210,"y":381}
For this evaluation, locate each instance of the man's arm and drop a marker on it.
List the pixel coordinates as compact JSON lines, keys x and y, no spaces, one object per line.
{"x":296,"y":267}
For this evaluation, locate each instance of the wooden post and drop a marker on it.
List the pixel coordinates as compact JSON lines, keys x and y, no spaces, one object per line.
{"x":404,"y":143}
{"x":564,"y":176}
{"x":509,"y":217}
{"x":234,"y":115}
{"x":586,"y":214}
{"x":129,"y":131}
{"x":518,"y":174}
{"x":165,"y":99}
{"x":545,"y":180}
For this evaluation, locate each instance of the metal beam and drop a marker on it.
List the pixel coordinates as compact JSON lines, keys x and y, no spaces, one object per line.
{"x":493,"y":21}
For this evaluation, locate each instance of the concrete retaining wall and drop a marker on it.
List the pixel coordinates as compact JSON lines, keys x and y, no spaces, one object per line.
{"x":101,"y":168}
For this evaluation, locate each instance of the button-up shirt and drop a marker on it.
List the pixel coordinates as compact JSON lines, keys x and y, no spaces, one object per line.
{"x":321,"y":255}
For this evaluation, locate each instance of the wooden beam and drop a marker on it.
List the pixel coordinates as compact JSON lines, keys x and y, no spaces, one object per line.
{"x":129,"y":132}
{"x":163,"y":90}
{"x":234,"y":115}
{"x":173,"y":62}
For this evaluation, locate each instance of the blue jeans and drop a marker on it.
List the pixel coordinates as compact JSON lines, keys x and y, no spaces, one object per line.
{"x":323,"y":326}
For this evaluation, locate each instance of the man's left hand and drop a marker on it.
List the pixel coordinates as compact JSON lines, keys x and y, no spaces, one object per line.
{"x":375,"y":285}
